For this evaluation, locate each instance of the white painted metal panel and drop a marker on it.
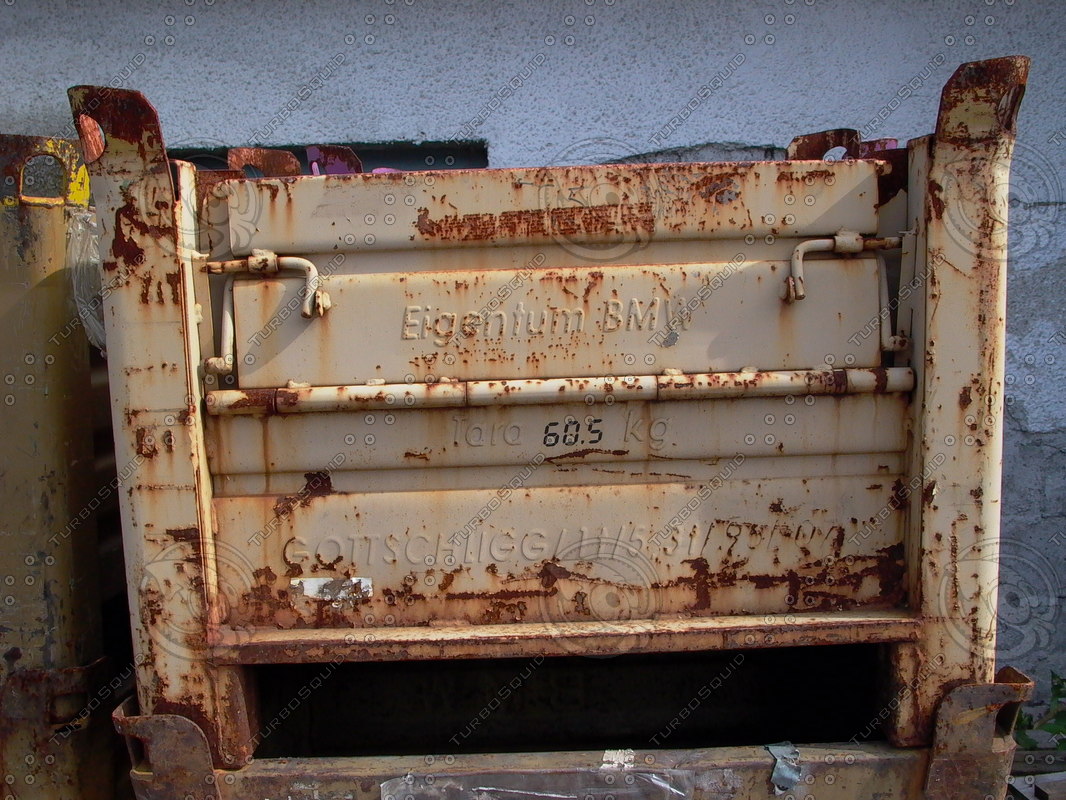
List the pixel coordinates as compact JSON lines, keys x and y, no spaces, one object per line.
{"x":567,"y":553}
{"x":620,"y":207}
{"x":563,"y":435}
{"x":560,"y":322}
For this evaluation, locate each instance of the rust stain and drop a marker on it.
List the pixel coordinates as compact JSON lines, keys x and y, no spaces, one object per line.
{"x":551,"y":572}
{"x":535,"y":223}
{"x":928,"y":493}
{"x":898,"y":501}
{"x":446,"y":580}
{"x":272,"y":163}
{"x":319,"y":484}
{"x":145,"y":443}
{"x":936,"y":199}
{"x":174,"y":281}
{"x":328,"y":564}
{"x":814,"y":146}
{"x":585,"y":452}
{"x":424,"y":225}
{"x":713,"y":188}
{"x":184,"y":534}
{"x":259,"y":399}
{"x":502,"y":594}
{"x":293,"y":569}
{"x":880,"y":379}
{"x":702,"y":580}
{"x":124,"y":248}
{"x":130,"y":225}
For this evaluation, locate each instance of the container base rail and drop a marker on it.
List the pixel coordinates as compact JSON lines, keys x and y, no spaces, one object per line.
{"x":969,"y":760}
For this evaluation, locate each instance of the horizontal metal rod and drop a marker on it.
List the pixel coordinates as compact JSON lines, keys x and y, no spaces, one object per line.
{"x":533,"y":391}
{"x":735,"y":632}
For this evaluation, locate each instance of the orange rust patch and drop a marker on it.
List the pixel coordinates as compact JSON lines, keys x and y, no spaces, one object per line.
{"x":604,"y":220}
{"x":146,"y":445}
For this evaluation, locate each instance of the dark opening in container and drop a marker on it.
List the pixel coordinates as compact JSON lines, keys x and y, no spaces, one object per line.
{"x":678,"y":700}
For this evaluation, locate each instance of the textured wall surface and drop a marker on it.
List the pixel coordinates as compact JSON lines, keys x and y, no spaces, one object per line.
{"x":581,"y":80}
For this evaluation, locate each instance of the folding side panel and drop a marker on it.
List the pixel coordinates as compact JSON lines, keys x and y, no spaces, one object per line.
{"x":562,"y":322}
{"x":474,"y":275}
{"x":434,"y":515}
{"x":603,"y":212}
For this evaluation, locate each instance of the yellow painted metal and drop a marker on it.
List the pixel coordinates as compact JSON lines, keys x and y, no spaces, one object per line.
{"x":50,"y":746}
{"x":76,"y":176}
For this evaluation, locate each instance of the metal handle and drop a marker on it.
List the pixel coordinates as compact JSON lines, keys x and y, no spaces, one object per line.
{"x":316,"y":302}
{"x":843,"y":242}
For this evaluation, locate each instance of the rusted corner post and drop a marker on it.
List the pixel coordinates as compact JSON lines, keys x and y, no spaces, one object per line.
{"x":169,"y":753}
{"x":973,"y":746}
{"x":153,"y":353}
{"x":52,"y":745}
{"x":958,"y":256}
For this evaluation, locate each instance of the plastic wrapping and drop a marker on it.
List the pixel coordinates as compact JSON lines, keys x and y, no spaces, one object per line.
{"x":787,"y":772}
{"x":86,"y":275}
{"x":585,"y":784}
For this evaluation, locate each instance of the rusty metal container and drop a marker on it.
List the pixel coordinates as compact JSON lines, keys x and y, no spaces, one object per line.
{"x":569,"y":411}
{"x":55,"y":741}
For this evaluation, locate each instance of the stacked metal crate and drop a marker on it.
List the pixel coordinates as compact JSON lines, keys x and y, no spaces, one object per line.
{"x":56,"y":690}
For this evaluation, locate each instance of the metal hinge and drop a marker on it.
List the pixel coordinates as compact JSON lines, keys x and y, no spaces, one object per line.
{"x":51,"y":696}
